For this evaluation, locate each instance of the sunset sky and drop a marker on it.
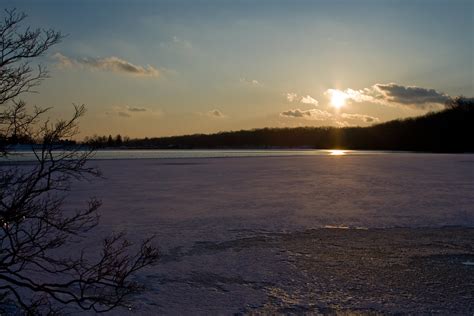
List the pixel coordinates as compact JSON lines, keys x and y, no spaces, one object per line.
{"x":156,"y":68}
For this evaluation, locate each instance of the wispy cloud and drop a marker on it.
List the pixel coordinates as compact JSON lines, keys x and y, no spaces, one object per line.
{"x":342,"y":119}
{"x":182,"y":42}
{"x":252,"y":82}
{"x":312,"y":114}
{"x":291,"y":97}
{"x":112,"y":64}
{"x":64,"y":61}
{"x":216,"y":114}
{"x":394,"y":95}
{"x":360,"y":117}
{"x":136,"y":109}
{"x":123,"y":114}
{"x":131,"y":111}
{"x":309,"y":100}
{"x":177,"y":43}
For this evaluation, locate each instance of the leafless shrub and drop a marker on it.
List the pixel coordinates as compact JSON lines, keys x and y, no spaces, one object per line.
{"x":36,"y":274}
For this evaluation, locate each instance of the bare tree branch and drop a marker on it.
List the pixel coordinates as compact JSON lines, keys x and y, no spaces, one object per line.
{"x":37,"y":275}
{"x":17,"y":48}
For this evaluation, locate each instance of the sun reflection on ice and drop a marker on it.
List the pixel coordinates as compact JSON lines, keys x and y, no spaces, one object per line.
{"x":337,"y":152}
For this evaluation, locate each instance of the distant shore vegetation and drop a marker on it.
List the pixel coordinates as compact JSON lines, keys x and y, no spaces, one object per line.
{"x":449,"y":130}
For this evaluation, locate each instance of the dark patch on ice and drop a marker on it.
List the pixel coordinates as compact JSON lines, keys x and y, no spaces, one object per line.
{"x":209,"y":247}
{"x":201,"y":279}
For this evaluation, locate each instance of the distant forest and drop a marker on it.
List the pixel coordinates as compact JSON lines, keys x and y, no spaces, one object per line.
{"x":449,"y":130}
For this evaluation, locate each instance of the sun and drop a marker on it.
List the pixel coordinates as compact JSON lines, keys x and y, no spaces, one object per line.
{"x":338,"y":99}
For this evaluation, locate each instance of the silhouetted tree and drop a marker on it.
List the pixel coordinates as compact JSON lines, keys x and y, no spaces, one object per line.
{"x":118,"y":140}
{"x":459,"y":102}
{"x":110,"y":141}
{"x":39,"y":272}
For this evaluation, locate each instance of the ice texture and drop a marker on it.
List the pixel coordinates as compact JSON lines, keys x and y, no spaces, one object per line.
{"x":251,"y":234}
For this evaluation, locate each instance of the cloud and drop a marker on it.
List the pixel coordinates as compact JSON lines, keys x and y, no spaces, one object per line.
{"x":112,"y":64}
{"x":130,"y":111}
{"x":312,"y":114}
{"x":64,"y":61}
{"x":123,"y":114}
{"x":411,"y":95}
{"x":184,"y":43}
{"x":252,"y":82}
{"x":309,"y":100}
{"x":361,"y":117}
{"x":177,"y":43}
{"x":118,"y":113}
{"x":363,"y":95}
{"x":136,"y":109}
{"x":321,"y":115}
{"x":291,"y":96}
{"x":394,"y":94}
{"x":216,"y":113}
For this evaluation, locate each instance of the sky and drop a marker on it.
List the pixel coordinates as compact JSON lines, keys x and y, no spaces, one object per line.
{"x":160,"y":68}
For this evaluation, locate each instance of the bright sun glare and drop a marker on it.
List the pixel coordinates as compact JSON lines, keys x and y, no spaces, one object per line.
{"x":337,"y":152}
{"x":338,"y":99}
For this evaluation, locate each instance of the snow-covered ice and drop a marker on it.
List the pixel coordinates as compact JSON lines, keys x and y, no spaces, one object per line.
{"x":221,"y":222}
{"x":284,"y":193}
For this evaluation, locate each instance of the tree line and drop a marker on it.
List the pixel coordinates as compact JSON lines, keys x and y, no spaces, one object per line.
{"x":449,"y":130}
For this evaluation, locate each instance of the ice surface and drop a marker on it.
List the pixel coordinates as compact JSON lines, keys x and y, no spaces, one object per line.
{"x":219,"y":221}
{"x":279,"y":193}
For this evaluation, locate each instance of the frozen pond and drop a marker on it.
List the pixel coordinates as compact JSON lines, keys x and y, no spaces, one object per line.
{"x":237,"y":234}
{"x":285,"y":193}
